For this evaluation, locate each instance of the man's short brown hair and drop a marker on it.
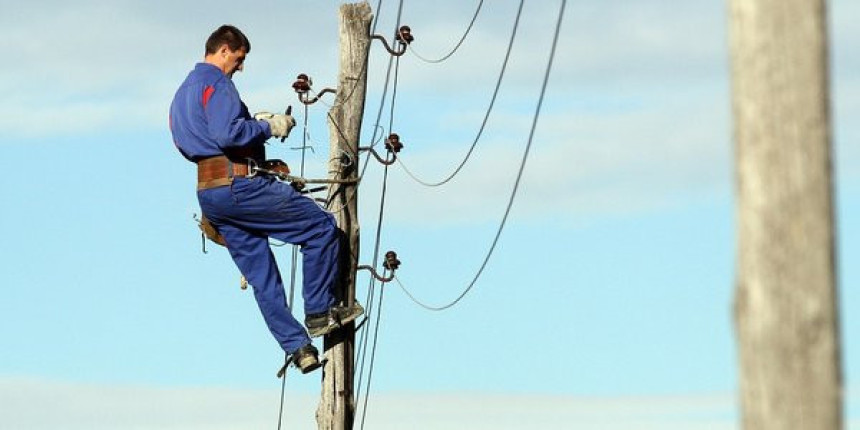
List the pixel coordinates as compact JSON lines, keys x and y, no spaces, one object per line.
{"x":229,"y":35}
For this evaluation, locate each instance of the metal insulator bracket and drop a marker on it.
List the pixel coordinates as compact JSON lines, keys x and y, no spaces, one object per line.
{"x":392,"y":144}
{"x":403,"y":37}
{"x":391,"y":264}
{"x":302,"y":86}
{"x":384,"y":161}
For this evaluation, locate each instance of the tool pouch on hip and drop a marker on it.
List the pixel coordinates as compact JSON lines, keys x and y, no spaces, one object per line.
{"x":210,"y":231}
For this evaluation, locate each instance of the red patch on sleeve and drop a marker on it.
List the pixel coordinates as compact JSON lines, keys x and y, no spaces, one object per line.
{"x":207,"y":94}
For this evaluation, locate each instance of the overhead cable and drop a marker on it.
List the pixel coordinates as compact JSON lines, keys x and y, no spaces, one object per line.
{"x":516,"y":182}
{"x":378,"y":239}
{"x":456,"y":47}
{"x":486,"y":115}
{"x":290,"y":300}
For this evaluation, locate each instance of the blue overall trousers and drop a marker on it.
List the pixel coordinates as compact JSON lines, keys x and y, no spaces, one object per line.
{"x":251,"y":210}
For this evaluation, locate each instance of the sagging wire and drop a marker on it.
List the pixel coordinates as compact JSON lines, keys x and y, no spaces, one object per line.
{"x":486,"y":115}
{"x":456,"y":47}
{"x":516,"y":182}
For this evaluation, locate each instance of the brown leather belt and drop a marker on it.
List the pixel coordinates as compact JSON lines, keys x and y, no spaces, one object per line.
{"x":219,"y":171}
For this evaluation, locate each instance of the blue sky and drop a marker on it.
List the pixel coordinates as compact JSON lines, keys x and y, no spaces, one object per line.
{"x":608,"y":297}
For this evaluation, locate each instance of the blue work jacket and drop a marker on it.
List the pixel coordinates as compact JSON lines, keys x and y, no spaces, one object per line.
{"x":207,"y":118}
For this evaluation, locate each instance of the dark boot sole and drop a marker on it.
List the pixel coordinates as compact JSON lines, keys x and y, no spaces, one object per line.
{"x":357,"y":311}
{"x":308,"y":364}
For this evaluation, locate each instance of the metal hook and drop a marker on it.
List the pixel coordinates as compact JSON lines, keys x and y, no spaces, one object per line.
{"x":392,"y":144}
{"x":379,"y":158}
{"x":202,"y":234}
{"x":303,"y":84}
{"x":253,"y":168}
{"x":403,"y":36}
{"x":346,"y":158}
{"x":391,"y":264}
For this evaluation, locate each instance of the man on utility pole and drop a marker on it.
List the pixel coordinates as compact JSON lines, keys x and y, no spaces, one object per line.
{"x":244,"y":203}
{"x":785,"y":304}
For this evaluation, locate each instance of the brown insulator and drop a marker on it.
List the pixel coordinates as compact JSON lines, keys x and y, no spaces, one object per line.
{"x":391,"y":261}
{"x":404,"y":35}
{"x":393,"y":143}
{"x":302,"y":84}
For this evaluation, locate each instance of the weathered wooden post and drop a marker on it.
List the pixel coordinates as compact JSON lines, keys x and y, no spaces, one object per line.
{"x":785,"y":304}
{"x":336,"y":410}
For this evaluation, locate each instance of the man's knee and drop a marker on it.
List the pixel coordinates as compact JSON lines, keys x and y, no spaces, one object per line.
{"x":330,"y":229}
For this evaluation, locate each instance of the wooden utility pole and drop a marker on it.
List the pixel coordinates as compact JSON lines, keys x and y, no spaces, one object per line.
{"x":336,"y":410}
{"x":785,"y":303}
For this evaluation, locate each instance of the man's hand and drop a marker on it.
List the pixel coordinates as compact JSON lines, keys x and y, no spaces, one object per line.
{"x":279,"y":124}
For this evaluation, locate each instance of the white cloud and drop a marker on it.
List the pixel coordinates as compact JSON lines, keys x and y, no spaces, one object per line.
{"x":581,"y":165}
{"x":637,"y":114}
{"x":84,"y":66}
{"x":43,"y":404}
{"x":93,"y":67}
{"x":601,"y":45}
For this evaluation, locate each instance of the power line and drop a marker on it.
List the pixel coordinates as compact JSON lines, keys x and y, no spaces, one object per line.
{"x":365,"y":336}
{"x":372,"y":358}
{"x":377,"y":241}
{"x":293,"y":269}
{"x":376,"y":248}
{"x":501,"y":226}
{"x":378,"y":310}
{"x":516,"y":182}
{"x":363,"y":349}
{"x":456,"y":47}
{"x":486,"y":115}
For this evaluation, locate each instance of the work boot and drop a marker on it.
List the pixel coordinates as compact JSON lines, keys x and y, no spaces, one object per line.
{"x":307,"y":358}
{"x":336,"y":317}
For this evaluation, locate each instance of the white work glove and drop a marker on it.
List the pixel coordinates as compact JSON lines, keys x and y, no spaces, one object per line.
{"x":279,"y":124}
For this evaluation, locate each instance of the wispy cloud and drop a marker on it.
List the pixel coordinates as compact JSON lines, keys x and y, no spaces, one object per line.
{"x":119,"y":62}
{"x":585,"y":165}
{"x":95,"y":67}
{"x":637,"y":116}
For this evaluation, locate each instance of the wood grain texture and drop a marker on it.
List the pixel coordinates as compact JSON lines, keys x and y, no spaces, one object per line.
{"x":785,"y":303}
{"x":336,"y":410}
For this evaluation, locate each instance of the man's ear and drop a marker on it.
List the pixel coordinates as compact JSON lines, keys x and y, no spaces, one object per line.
{"x":224,"y":50}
